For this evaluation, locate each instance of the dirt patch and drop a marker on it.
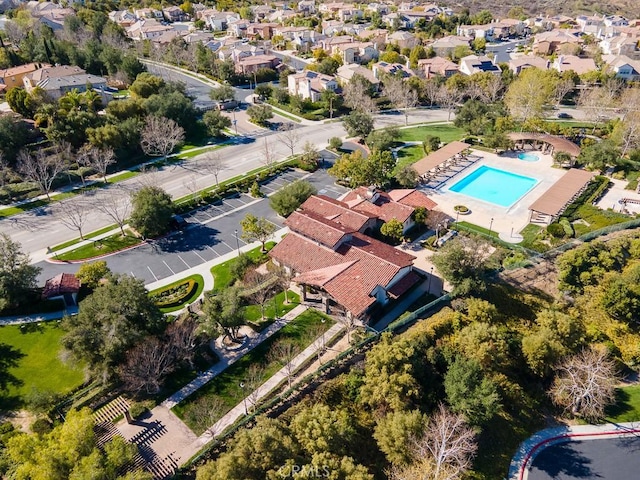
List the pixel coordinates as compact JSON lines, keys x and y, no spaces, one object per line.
{"x":22,"y":420}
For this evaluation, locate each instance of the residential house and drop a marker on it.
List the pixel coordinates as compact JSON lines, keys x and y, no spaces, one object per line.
{"x":565,"y":63}
{"x":332,"y":27}
{"x":238,"y":51}
{"x":34,"y":79}
{"x":337,"y":265}
{"x":509,"y":27}
{"x":238,"y":28}
{"x":628,"y":45}
{"x":306,"y":7}
{"x":260,"y":12}
{"x":546,"y":43}
{"x":584,"y":21}
{"x":437,"y":66}
{"x":48,"y":13}
{"x":380,"y":8}
{"x":615,"y":21}
{"x":519,"y":63}
{"x":413,"y":16}
{"x":12,"y":77}
{"x":64,"y":286}
{"x":124,"y":18}
{"x":357,"y":52}
{"x":403,"y":39}
{"x":476,"y":31}
{"x":254,"y":63}
{"x":330,"y":44}
{"x":346,"y":72}
{"x":292,"y":33}
{"x":444,"y":47}
{"x":281,"y":15}
{"x":173,"y":14}
{"x":147,"y":29}
{"x":310,"y":85}
{"x":56,"y":87}
{"x":148,"y":13}
{"x":377,"y":36}
{"x":396,"y":20}
{"x":395,"y":69}
{"x":262,"y":31}
{"x":472,"y":64}
{"x":350,"y":13}
{"x":623,"y":67}
{"x":219,"y":21}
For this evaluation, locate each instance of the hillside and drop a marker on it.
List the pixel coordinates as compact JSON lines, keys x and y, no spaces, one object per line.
{"x":628,"y":8}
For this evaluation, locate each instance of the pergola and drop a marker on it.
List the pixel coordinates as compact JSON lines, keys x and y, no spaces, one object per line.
{"x":545,"y":142}
{"x":441,"y":158}
{"x":554,"y":201}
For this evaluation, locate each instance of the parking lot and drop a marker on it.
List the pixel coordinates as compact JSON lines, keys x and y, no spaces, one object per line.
{"x":210,"y":233}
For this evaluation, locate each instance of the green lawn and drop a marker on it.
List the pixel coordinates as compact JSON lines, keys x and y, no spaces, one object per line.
{"x":254,"y":317}
{"x":36,"y":350}
{"x":408,"y":156}
{"x":532,"y":238}
{"x":447,"y":133}
{"x":101,"y":247}
{"x":195,"y":294}
{"x":226,"y":386}
{"x":222,"y":272}
{"x":627,"y":407}
{"x":470,"y":227}
{"x":87,"y":237}
{"x":596,"y":218}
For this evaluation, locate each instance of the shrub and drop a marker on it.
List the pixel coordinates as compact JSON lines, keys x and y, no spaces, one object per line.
{"x":461,"y":209}
{"x":556,"y":230}
{"x":255,"y":190}
{"x":41,"y":426}
{"x":138,"y":409}
{"x":289,"y":198}
{"x":174,"y":295}
{"x":335,"y":143}
{"x":568,"y":229}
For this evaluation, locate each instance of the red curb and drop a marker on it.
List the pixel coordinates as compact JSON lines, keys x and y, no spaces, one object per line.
{"x":536,"y":447}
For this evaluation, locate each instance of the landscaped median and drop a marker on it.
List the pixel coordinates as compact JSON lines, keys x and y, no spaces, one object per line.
{"x":101,"y":247}
{"x":301,"y":332}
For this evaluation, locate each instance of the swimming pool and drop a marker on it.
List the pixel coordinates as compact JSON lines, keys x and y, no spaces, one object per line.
{"x":528,"y":157}
{"x":494,"y":186}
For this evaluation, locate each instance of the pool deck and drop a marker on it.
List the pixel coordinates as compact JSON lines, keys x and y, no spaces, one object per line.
{"x":506,"y":220}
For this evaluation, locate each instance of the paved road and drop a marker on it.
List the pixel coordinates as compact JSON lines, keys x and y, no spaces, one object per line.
{"x":210,"y":234}
{"x":604,"y":459}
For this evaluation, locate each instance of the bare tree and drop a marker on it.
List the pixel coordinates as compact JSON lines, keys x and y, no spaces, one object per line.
{"x":431,"y":90}
{"x":444,"y":452}
{"x":41,"y":169}
{"x":599,"y":101}
{"x":258,"y":288}
{"x":283,"y":278}
{"x":146,"y":365}
{"x":289,"y":136}
{"x":4,"y":170}
{"x":253,"y":382}
{"x":449,"y":98}
{"x":357,"y":95}
{"x":492,"y":88}
{"x":205,"y":413}
{"x":213,"y":163}
{"x":585,"y":384}
{"x":183,"y":336}
{"x":191,"y":184}
{"x":149,"y":176}
{"x":349,"y":323}
{"x":115,"y":203}
{"x":562,"y":88}
{"x":268,"y":155}
{"x":401,"y":95}
{"x":100,"y":160}
{"x":74,"y":214}
{"x":284,"y":351}
{"x":160,"y":136}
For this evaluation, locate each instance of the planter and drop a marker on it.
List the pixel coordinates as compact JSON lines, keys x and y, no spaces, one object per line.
{"x":462,"y":210}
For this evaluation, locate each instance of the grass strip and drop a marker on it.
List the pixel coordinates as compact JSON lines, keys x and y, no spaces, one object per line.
{"x":301,"y":332}
{"x":104,"y":246}
{"x":222,"y":273}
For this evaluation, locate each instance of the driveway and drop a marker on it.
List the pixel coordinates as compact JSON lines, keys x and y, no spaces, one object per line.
{"x":210,"y":233}
{"x":604,"y":459}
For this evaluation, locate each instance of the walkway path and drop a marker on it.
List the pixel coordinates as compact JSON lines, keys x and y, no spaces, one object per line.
{"x":521,"y":462}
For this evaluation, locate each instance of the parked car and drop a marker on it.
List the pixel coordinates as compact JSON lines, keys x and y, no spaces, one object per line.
{"x":564,"y":115}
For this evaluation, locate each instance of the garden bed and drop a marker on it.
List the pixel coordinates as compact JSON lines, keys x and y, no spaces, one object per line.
{"x":175,"y":296}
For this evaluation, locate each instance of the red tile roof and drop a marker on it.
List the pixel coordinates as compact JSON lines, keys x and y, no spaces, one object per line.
{"x":337,"y":211}
{"x":382,"y":206}
{"x":61,"y":284}
{"x":317,"y":228}
{"x":404,"y":284}
{"x":413,"y":198}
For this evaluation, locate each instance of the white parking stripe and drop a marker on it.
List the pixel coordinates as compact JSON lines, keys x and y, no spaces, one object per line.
{"x":154,"y":275}
{"x":168,"y":267}
{"x":199,"y":256}
{"x":188,"y":266}
{"x":228,"y":246}
{"x":213,"y":251}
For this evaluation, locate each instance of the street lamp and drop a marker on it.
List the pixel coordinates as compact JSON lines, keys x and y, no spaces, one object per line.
{"x":244,"y":398}
{"x":237,"y":241}
{"x":429,"y":284}
{"x":235,"y":122}
{"x":490,"y":225}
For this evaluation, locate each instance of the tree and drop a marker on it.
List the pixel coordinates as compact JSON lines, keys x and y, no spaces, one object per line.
{"x":331,"y":101}
{"x":213,"y":164}
{"x":444,"y":452}
{"x":151,"y":211}
{"x":18,"y":278}
{"x":393,"y":229}
{"x":463,"y":262}
{"x":407,"y":177}
{"x":431,"y":143}
{"x":320,"y":429}
{"x":205,"y":413}
{"x":260,"y":114}
{"x":585,"y":384}
{"x":396,"y":432}
{"x":91,"y":274}
{"x":310,"y":157}
{"x":258,"y":288}
{"x":41,"y":169}
{"x":223,"y":313}
{"x":354,"y":169}
{"x":13,"y":136}
{"x":283,"y":352}
{"x":146,"y":365}
{"x":257,"y":229}
{"x":216,"y":122}
{"x":286,"y":200}
{"x":600,"y":155}
{"x":160,"y":136}
{"x":268,"y":156}
{"x":382,"y":139}
{"x":222,"y":93}
{"x":74,"y":214}
{"x":469,"y":392}
{"x":289,"y":136}
{"x":146,"y":85}
{"x":530,"y":94}
{"x":114,"y":203}
{"x":448,"y":97}
{"x":401,"y":95}
{"x":357,"y":95}
{"x":116,"y":316}
{"x":358,"y":124}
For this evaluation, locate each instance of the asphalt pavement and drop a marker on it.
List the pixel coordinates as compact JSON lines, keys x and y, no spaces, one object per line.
{"x":210,"y":233}
{"x":604,"y":459}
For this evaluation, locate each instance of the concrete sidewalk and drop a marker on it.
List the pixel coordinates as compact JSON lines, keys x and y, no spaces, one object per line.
{"x":38,"y":317}
{"x":527,"y":451}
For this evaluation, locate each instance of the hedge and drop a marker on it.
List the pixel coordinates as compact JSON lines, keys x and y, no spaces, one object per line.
{"x":175,"y":295}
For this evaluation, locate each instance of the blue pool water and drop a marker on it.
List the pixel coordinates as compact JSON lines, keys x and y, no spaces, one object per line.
{"x":494,"y":186}
{"x":528,"y":157}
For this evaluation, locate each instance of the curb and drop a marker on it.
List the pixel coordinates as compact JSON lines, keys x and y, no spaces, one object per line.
{"x":85,"y":260}
{"x":531,"y":454}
